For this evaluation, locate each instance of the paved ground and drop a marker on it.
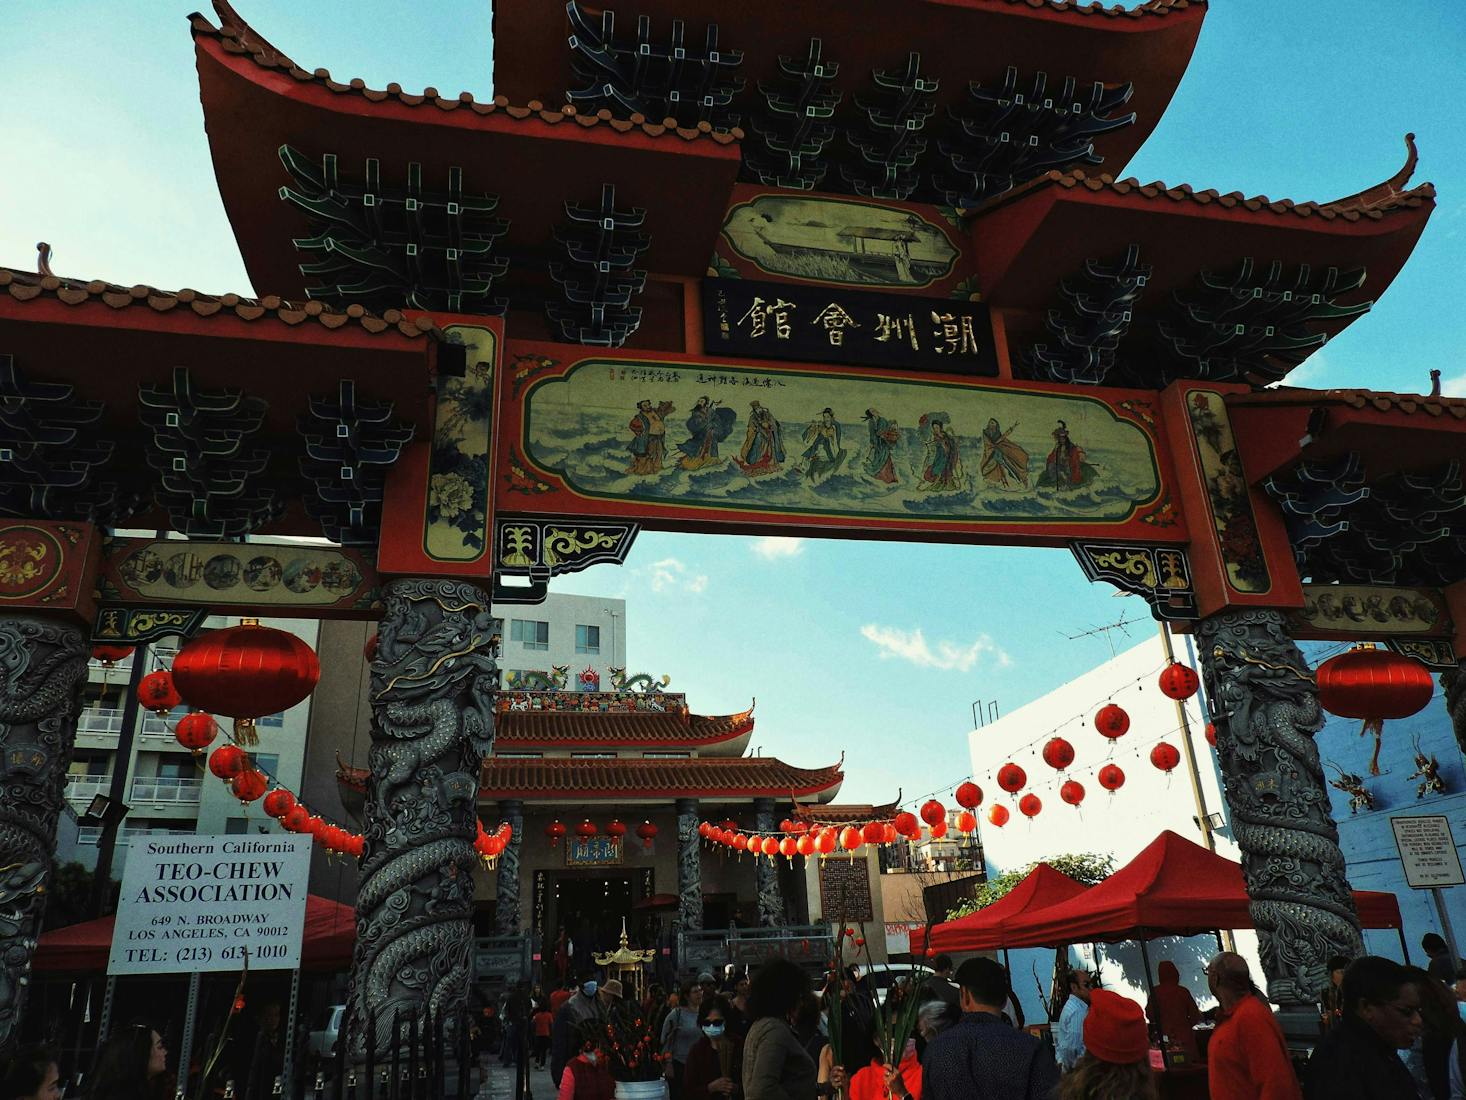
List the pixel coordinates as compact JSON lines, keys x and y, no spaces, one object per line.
{"x":501,"y":1083}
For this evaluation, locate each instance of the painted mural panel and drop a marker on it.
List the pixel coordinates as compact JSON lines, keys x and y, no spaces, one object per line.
{"x":840,"y":241}
{"x":457,"y":523}
{"x":1227,"y":492}
{"x":754,"y":440}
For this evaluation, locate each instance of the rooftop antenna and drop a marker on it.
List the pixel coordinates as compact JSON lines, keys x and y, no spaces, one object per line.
{"x":1106,"y":631}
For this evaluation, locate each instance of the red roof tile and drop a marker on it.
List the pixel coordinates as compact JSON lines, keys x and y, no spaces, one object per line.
{"x":846,"y":813}
{"x":642,"y":728}
{"x":749,"y":776}
{"x":1408,"y":403}
{"x":238,"y":37}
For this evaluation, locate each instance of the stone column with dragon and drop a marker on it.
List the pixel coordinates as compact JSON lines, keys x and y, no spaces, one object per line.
{"x":43,"y":666}
{"x":1453,"y":684}
{"x":766,"y":870}
{"x":689,"y":867}
{"x":1264,"y":704}
{"x":432,"y":694}
{"x":506,"y":895}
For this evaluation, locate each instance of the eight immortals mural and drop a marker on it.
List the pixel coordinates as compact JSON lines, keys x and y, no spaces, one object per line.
{"x":837,"y":444}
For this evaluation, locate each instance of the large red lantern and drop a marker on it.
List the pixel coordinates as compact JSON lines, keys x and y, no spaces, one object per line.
{"x":1211,"y":734}
{"x":998,"y":815}
{"x":1111,"y":778}
{"x":705,"y":830}
{"x":1112,"y":721}
{"x":296,"y":819}
{"x":968,"y":795}
{"x":730,"y":826}
{"x":648,"y":833}
{"x":196,"y":731}
{"x":246,"y":672}
{"x":939,"y":830}
{"x":850,"y":838}
{"x":770,"y":846}
{"x":1030,"y":805}
{"x":278,"y":803}
{"x":1058,"y":754}
{"x":826,"y":841}
{"x":966,"y":822}
{"x":1165,"y":757}
{"x":555,"y":832}
{"x":907,"y":825}
{"x":248,"y":785}
{"x":615,"y":830}
{"x":586,"y":829}
{"x":1178,"y":681}
{"x":889,"y":833}
{"x":873,"y":833}
{"x":805,"y":845}
{"x":227,"y":761}
{"x":933,"y":811}
{"x":1072,"y":792}
{"x":109,"y":655}
{"x":1375,"y":685}
{"x":157,"y":692}
{"x":1011,"y":778}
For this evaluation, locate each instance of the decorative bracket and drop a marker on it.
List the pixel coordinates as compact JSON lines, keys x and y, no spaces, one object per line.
{"x":1095,"y":316}
{"x":1161,"y":575}
{"x":543,"y":548}
{"x":890,"y":142}
{"x":349,"y":446}
{"x":599,"y":278}
{"x":132,"y":625}
{"x":790,"y":135}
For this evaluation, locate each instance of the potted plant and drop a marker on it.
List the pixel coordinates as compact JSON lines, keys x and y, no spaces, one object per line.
{"x":632,"y":1055}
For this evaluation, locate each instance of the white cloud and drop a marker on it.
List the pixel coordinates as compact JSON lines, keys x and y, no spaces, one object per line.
{"x":1454,"y":387}
{"x":671,"y":573}
{"x":912,"y":646}
{"x":774,"y":547}
{"x":1308,"y":374}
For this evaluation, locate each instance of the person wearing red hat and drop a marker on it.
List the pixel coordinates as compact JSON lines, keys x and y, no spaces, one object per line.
{"x":1116,"y":1062}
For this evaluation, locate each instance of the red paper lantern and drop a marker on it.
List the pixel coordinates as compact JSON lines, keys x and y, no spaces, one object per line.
{"x":1072,"y":792}
{"x":801,"y":827}
{"x":1058,"y":754}
{"x":157,"y":692}
{"x":826,"y":841}
{"x":939,"y":830}
{"x":109,"y":655}
{"x":1374,"y":685}
{"x":586,"y":829}
{"x":227,"y":761}
{"x":786,"y":826}
{"x":998,"y":815}
{"x":770,"y":845}
{"x":891,"y":836}
{"x":906,"y":824}
{"x":238,"y":1006}
{"x":1112,"y":721}
{"x":933,"y":811}
{"x":356,"y":846}
{"x":196,"y":731}
{"x":966,"y":822}
{"x":740,"y":842}
{"x":648,"y":833}
{"x":615,"y":830}
{"x":704,"y":830}
{"x":1179,"y":681}
{"x":730,"y":826}
{"x":1012,"y":778}
{"x":296,"y":819}
{"x":788,"y":847}
{"x":278,"y":803}
{"x":555,"y":831}
{"x":493,"y":847}
{"x":1111,"y":778}
{"x":850,"y":838}
{"x":246,"y":671}
{"x":1030,"y":805}
{"x":1211,"y":734}
{"x":873,"y":833}
{"x":968,"y":795}
{"x":805,"y":845}
{"x":369,"y":651}
{"x":248,"y":785}
{"x":1165,"y":757}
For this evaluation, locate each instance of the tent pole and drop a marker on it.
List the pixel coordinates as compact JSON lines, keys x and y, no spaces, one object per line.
{"x":1404,"y":947}
{"x":1145,"y":958}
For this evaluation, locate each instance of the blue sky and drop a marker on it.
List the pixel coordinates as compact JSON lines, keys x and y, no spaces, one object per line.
{"x":876,"y":649}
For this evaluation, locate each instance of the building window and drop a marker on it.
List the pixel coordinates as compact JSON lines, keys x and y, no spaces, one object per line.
{"x":587,"y":639}
{"x":530,"y":633}
{"x":176,"y":769}
{"x":667,"y":755}
{"x":274,"y":721}
{"x":592,"y":756}
{"x":269,"y":763}
{"x":233,"y":826}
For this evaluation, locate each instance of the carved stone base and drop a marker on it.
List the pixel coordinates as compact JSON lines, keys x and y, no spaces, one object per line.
{"x":1264,"y":703}
{"x":432,"y":691}
{"x":43,"y":667}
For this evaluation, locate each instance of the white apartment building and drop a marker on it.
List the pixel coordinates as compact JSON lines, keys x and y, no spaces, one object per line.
{"x":576,"y":633}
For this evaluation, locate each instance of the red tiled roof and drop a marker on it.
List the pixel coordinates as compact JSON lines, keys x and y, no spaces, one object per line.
{"x":558,"y":777}
{"x":238,"y":37}
{"x":1092,"y":7}
{"x":846,"y":813}
{"x":1408,"y":403}
{"x":26,"y":286}
{"x":644,"y":728}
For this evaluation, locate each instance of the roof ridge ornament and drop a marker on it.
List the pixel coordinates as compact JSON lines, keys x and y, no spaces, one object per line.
{"x":43,"y":259}
{"x":1383,"y":195}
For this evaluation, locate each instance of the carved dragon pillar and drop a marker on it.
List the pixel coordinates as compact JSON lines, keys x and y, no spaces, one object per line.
{"x":1264,"y":704}
{"x":506,"y":904}
{"x":689,"y":867}
{"x":766,"y":870}
{"x":43,"y":666}
{"x":432,"y":692}
{"x":1453,"y":683}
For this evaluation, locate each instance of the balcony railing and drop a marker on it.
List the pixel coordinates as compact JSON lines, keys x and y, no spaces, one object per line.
{"x":83,"y":788}
{"x":99,"y":720}
{"x":92,"y":834}
{"x":166,"y":789}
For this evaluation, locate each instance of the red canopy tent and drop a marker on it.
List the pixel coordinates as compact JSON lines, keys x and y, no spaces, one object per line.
{"x":985,"y":929}
{"x":330,"y":935}
{"x":1172,"y":888}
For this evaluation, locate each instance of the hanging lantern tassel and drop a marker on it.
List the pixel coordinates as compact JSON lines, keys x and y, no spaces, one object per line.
{"x":245,"y":733}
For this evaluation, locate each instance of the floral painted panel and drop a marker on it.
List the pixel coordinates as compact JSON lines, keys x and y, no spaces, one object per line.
{"x":1226,"y":488}
{"x":458,"y":479}
{"x":782,"y":441}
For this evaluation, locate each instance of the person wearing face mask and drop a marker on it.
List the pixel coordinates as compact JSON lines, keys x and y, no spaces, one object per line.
{"x":713,"y":1070}
{"x":587,"y":1076}
{"x":1359,"y":1060}
{"x":582,"y":1006}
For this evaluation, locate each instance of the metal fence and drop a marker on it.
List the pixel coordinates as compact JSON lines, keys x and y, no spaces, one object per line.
{"x":161,"y":788}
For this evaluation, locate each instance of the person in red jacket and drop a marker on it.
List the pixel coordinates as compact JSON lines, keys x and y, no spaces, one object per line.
{"x":1247,"y":1058}
{"x":540,"y":1023}
{"x":1174,"y":1011}
{"x":587,"y":1076}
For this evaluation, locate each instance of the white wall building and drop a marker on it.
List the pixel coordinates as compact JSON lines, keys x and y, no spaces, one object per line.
{"x":1119,"y":824}
{"x":571,"y":632}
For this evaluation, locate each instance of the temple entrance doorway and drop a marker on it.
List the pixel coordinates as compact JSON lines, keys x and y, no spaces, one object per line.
{"x":588,"y":907}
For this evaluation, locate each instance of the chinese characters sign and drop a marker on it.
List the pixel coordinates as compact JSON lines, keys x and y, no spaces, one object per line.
{"x":742,"y":317}
{"x":596,"y":851}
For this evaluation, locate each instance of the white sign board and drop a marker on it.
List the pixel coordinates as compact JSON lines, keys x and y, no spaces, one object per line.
{"x":205,"y":903}
{"x":1428,"y":851}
